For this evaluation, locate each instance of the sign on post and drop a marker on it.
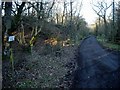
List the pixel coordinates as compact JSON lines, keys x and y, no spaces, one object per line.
{"x":11,"y":38}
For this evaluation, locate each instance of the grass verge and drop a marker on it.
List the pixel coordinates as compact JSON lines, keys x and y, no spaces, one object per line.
{"x":109,"y":45}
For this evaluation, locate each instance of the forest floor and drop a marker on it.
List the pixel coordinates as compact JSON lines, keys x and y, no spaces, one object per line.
{"x":41,"y":68}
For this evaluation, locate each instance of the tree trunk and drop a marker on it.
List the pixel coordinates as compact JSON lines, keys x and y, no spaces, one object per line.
{"x":7,"y":20}
{"x":105,"y":23}
{"x":96,"y":31}
{"x":63,"y":13}
{"x":117,"y":37}
{"x":18,"y":16}
{"x":71,"y":10}
{"x":7,"y":23}
{"x":57,"y":18}
{"x":99,"y":22}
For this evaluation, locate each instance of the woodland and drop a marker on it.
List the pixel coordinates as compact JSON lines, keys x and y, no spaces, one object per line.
{"x":40,"y":39}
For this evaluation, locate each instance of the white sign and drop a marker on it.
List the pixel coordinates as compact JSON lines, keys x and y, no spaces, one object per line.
{"x":11,"y":38}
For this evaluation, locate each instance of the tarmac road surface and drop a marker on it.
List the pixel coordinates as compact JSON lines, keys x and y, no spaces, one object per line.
{"x":97,"y":68}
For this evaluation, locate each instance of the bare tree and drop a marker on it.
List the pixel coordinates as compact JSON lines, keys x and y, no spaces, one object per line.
{"x":50,"y":8}
{"x":101,"y":10}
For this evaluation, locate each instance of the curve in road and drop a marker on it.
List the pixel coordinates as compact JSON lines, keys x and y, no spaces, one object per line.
{"x":97,"y":68}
